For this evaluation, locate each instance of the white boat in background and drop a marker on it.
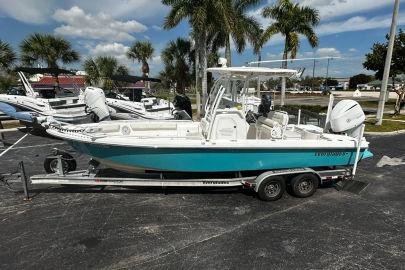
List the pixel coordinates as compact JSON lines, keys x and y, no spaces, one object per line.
{"x":223,"y":141}
{"x":139,"y":106}
{"x":26,"y":105}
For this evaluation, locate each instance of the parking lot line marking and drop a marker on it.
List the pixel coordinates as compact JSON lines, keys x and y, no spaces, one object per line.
{"x":38,"y":145}
{"x":8,"y":149}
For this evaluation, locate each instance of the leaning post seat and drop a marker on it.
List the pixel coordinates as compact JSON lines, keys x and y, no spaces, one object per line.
{"x":273,"y":126}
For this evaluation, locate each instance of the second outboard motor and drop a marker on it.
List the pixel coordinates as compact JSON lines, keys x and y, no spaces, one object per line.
{"x":347,"y":117}
{"x":182,"y":102}
{"x":265,"y":104}
{"x":95,"y":101}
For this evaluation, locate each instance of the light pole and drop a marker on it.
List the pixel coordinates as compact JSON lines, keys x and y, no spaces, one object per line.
{"x":383,"y":93}
{"x":313,"y":76}
{"x":327,"y":75}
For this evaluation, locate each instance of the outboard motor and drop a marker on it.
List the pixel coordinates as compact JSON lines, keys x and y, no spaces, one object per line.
{"x":182,"y":102}
{"x":265,"y":104}
{"x":347,"y":117}
{"x":95,"y":101}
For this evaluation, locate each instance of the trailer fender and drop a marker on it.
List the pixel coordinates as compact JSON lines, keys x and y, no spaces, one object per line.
{"x":268,"y":174}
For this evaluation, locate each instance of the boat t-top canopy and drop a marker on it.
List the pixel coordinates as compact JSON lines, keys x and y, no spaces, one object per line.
{"x":53,"y":71}
{"x":253,"y":71}
{"x":133,"y":79}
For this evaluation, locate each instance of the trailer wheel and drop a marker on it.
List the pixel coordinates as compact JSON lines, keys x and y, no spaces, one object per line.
{"x":272,"y":188}
{"x":51,"y":164}
{"x":304,"y":185}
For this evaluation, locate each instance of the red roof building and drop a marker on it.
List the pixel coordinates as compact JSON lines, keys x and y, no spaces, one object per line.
{"x":73,"y":82}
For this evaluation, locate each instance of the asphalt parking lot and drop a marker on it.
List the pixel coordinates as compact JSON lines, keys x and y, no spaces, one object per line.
{"x":65,"y":228}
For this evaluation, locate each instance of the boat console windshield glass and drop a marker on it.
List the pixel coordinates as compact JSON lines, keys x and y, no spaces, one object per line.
{"x":225,"y":92}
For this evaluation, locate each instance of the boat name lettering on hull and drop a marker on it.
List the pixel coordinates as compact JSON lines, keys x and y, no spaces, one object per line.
{"x":215,"y":182}
{"x":330,"y":154}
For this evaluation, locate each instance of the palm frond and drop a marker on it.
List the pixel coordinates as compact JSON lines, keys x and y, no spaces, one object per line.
{"x":7,"y":56}
{"x":47,"y":49}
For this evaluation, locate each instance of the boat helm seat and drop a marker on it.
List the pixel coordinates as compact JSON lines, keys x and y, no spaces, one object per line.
{"x":272,"y":127}
{"x":279,"y":117}
{"x":268,"y":129}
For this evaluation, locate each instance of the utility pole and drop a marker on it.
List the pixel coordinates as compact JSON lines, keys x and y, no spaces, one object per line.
{"x":313,"y":76}
{"x":258,"y":78}
{"x":383,"y":93}
{"x":283,"y":85}
{"x":327,"y":75}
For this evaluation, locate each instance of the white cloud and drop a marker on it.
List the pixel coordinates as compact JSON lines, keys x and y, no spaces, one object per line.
{"x":157,"y":28}
{"x":328,"y":52}
{"x":358,"y":23}
{"x":156,"y":60}
{"x":334,"y":8}
{"x":110,"y":49}
{"x":101,"y":26}
{"x":139,"y":9}
{"x":28,"y":11}
{"x":117,"y":50}
{"x":329,"y":9}
{"x":352,"y":24}
{"x":352,"y":50}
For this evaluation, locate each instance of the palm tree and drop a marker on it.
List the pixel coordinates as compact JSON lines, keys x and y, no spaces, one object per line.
{"x":236,"y":24}
{"x":201,"y":16}
{"x":291,"y":20}
{"x":141,"y":51}
{"x":47,"y":49}
{"x":7,"y":56}
{"x":100,"y":69}
{"x":258,"y":43}
{"x":177,"y":57}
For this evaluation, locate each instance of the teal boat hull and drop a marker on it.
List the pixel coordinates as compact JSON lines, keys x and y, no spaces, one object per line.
{"x":216,"y":160}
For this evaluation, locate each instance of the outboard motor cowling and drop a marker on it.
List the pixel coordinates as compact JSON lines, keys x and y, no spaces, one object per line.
{"x":265,"y":104}
{"x":95,"y":100}
{"x":182,"y":102}
{"x":347,"y":116}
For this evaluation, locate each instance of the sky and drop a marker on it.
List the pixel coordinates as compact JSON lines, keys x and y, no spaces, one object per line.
{"x":348,"y":29}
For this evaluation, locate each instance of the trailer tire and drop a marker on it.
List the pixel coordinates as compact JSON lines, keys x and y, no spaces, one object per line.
{"x":272,"y":188}
{"x":304,"y":185}
{"x":68,"y":164}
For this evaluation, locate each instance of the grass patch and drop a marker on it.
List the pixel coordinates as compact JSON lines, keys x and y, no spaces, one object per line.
{"x":312,"y":108}
{"x":390,"y":104}
{"x":394,"y":117}
{"x":11,"y":124}
{"x":387,"y":126}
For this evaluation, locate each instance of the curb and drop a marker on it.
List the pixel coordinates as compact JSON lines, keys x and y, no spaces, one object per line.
{"x":402,"y":131}
{"x":8,"y":130}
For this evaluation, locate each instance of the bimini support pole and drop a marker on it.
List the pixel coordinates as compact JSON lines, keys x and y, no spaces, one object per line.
{"x":330,"y":106}
{"x":299,"y":117}
{"x":359,"y":139}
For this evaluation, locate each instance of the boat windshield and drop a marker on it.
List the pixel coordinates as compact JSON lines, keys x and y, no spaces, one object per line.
{"x":224,"y":94}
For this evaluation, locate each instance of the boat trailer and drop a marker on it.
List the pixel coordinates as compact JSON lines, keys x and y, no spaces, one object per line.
{"x":269,"y":185}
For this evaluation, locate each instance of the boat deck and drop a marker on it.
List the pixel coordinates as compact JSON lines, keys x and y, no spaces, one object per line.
{"x":148,"y":228}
